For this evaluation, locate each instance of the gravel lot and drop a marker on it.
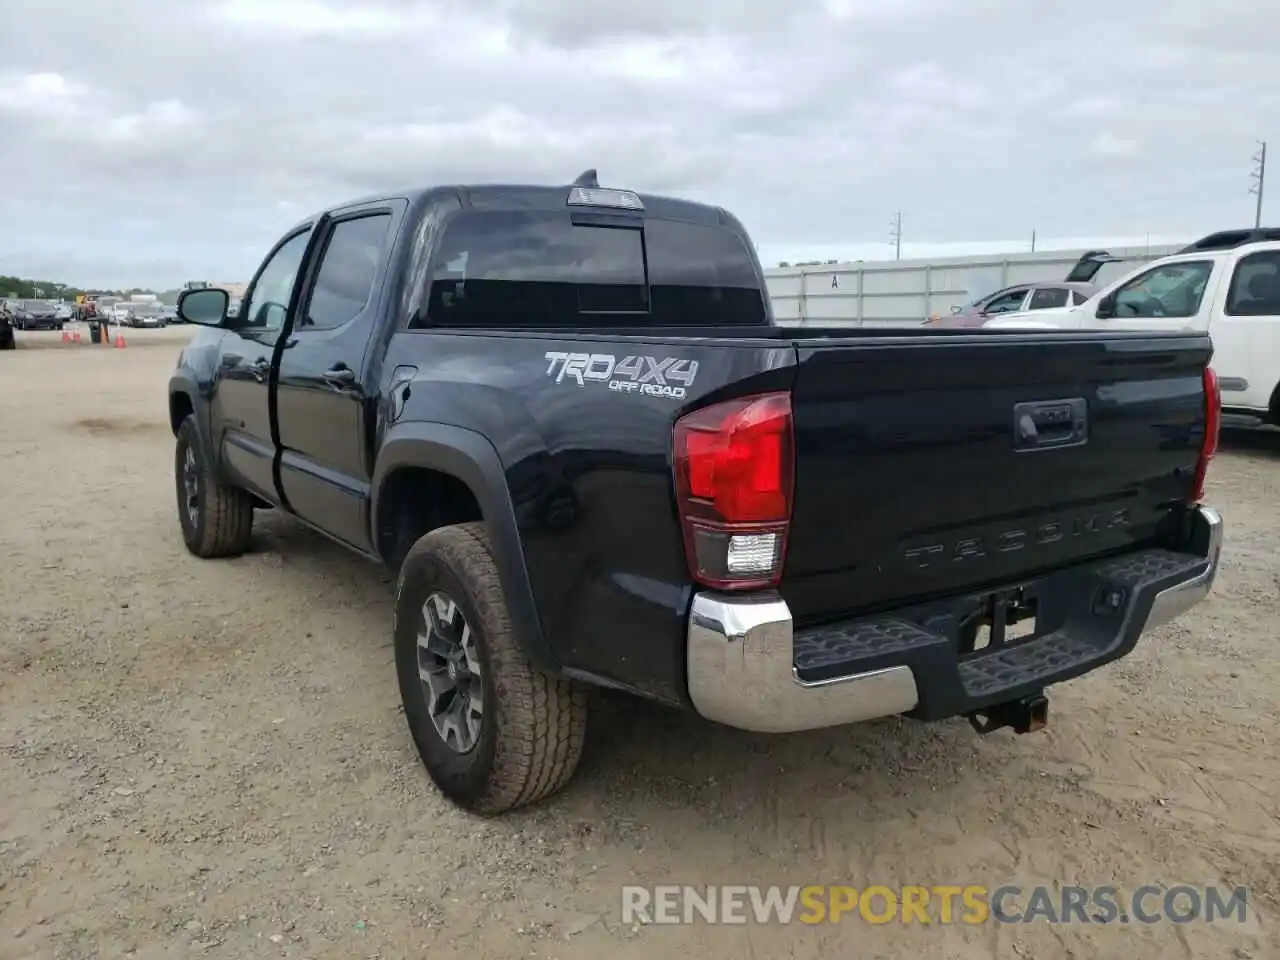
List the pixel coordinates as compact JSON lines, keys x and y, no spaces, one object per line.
{"x":209,"y":758}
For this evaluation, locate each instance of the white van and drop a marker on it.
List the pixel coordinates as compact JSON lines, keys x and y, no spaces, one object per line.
{"x":1227,"y":283}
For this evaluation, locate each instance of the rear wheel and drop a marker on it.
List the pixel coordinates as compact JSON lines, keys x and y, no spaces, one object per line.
{"x":216,"y":519}
{"x":493,"y":732}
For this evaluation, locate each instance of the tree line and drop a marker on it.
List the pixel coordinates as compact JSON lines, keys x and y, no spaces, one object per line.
{"x":22,"y":289}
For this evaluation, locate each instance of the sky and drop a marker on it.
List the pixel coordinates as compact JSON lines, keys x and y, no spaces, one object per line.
{"x":150,"y":142}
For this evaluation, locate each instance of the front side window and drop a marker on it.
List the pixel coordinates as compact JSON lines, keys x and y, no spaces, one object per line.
{"x":1006,"y":302}
{"x":1169,"y":291}
{"x":264,"y":310}
{"x":1255,"y":286}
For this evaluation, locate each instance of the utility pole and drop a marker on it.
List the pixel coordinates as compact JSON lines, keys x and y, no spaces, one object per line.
{"x":1033,"y":239}
{"x":895,"y":235}
{"x":1259,"y":175}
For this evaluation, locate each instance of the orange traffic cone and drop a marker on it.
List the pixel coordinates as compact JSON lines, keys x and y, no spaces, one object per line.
{"x":66,"y":337}
{"x":75,"y":335}
{"x":119,"y":339}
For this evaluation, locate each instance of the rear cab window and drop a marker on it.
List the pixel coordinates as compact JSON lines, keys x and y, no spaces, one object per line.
{"x":516,"y":268}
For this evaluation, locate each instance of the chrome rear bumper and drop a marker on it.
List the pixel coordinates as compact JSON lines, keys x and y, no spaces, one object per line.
{"x":741,"y":661}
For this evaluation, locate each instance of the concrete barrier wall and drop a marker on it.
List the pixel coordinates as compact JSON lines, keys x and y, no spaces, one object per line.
{"x":905,"y":292}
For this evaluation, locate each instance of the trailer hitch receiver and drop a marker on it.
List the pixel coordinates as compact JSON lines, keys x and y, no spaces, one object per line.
{"x":1025,"y":715}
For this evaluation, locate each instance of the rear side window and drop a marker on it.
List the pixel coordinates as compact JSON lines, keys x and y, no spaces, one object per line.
{"x":1046,"y":298}
{"x":537,"y":269}
{"x":1077,"y":297}
{"x":348,"y":269}
{"x":1255,"y":286}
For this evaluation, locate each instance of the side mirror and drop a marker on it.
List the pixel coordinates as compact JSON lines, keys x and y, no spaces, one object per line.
{"x":206,"y":307}
{"x":1107,"y":307}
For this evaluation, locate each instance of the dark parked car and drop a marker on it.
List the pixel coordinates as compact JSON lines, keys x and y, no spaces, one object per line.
{"x":35,"y":315}
{"x":7,"y":341}
{"x":566,"y":417}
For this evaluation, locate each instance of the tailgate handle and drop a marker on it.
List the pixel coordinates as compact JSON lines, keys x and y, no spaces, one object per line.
{"x":1048,"y":424}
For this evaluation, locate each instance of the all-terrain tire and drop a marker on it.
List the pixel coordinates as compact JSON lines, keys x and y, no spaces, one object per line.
{"x":223,"y":524}
{"x":533,"y":724}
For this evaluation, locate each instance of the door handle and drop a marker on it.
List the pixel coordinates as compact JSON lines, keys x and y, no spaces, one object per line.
{"x":340,"y":376}
{"x":231,"y":359}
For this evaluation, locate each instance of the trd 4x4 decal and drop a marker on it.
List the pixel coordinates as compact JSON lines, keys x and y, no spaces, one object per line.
{"x":649,"y":376}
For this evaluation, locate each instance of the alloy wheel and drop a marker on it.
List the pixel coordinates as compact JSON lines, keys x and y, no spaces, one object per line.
{"x":449,"y":668}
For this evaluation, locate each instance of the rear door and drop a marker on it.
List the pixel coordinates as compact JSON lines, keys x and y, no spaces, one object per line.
{"x":931,"y":465}
{"x":325,"y":391}
{"x":1246,"y":331}
{"x":240,"y":407}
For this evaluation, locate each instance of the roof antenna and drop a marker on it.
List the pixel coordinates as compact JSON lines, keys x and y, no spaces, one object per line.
{"x":587,"y":178}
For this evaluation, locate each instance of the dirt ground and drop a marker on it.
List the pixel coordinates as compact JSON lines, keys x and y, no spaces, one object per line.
{"x":209,"y":758}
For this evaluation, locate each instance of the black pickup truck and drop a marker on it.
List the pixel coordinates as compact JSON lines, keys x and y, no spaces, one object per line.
{"x":567,"y":418}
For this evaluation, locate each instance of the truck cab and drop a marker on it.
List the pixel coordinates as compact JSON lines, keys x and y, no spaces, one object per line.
{"x":1226,"y":284}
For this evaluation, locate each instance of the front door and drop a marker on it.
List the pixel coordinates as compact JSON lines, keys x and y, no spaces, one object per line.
{"x":240,"y":405}
{"x":326,"y":390}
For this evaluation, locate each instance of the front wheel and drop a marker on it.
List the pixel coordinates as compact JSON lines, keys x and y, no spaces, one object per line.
{"x":216,"y":519}
{"x":493,"y":731}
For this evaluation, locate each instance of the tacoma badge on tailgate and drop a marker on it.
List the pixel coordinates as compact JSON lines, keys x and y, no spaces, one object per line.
{"x":1015,"y":538}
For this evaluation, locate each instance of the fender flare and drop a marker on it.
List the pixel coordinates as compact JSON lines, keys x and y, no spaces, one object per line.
{"x":183,"y":382}
{"x":469,"y":457}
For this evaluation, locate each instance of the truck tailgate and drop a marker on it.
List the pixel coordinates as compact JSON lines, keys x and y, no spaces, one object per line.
{"x":927,"y":466}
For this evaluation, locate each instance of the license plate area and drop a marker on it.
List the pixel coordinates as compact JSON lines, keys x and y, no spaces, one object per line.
{"x":1001,"y":620}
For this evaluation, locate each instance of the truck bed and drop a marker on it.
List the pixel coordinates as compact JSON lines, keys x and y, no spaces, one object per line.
{"x":907,"y":483}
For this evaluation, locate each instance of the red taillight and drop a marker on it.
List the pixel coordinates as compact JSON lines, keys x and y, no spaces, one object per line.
{"x":735,"y":470}
{"x":1212,"y":427}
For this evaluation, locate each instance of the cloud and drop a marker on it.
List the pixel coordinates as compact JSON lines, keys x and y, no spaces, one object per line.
{"x":189,"y":136}
{"x":1110,"y":145}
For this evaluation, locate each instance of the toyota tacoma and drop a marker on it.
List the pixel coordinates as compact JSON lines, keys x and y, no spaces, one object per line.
{"x":566,"y":417}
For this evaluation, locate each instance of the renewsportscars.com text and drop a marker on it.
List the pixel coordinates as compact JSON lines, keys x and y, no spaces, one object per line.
{"x":936,"y":904}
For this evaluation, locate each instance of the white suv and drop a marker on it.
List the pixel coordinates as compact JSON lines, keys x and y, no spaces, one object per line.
{"x":1227,"y":283}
